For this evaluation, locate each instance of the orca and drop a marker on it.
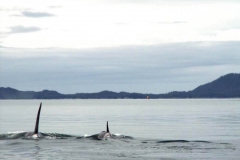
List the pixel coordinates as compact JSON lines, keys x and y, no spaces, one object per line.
{"x":35,"y":133}
{"x":104,"y":134}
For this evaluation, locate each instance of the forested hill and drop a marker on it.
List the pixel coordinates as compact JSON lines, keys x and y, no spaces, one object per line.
{"x":227,"y":86}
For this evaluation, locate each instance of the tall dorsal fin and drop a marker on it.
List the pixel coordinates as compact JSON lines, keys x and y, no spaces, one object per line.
{"x":107,"y":128}
{"x":37,"y":120}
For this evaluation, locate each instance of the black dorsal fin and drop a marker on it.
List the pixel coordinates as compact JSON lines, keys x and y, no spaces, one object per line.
{"x":37,"y":120}
{"x":107,"y":128}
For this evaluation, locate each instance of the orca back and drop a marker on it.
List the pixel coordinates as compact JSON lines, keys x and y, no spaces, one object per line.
{"x":104,"y":134}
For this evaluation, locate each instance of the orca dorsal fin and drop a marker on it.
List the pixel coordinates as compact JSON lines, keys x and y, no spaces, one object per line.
{"x":107,"y":128}
{"x":37,"y":120}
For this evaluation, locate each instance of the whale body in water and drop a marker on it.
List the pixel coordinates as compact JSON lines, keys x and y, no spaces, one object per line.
{"x":35,"y":133}
{"x":104,"y":134}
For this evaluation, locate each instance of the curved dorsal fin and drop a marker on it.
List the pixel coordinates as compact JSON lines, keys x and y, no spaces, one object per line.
{"x":37,"y":120}
{"x":107,"y":128}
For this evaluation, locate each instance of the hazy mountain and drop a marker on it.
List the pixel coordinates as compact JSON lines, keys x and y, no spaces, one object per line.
{"x":227,"y":86}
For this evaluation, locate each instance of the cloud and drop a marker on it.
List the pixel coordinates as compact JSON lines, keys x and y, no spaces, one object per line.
{"x":36,"y":14}
{"x":22,"y":29}
{"x":174,"y":22}
{"x":53,"y":7}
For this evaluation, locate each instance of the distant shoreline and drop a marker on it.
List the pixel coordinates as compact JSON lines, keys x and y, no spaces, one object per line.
{"x":128,"y":99}
{"x":225,"y":87}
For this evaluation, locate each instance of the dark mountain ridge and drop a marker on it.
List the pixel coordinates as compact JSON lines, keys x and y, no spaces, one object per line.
{"x":227,"y":86}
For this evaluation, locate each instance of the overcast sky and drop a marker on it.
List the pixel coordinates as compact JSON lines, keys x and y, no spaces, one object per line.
{"x":148,"y":46}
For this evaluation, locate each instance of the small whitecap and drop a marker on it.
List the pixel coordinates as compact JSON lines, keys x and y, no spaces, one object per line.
{"x":16,"y":132}
{"x":117,"y":134}
{"x":49,"y":137}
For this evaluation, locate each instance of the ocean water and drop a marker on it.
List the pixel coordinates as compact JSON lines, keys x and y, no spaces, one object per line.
{"x":141,"y":129}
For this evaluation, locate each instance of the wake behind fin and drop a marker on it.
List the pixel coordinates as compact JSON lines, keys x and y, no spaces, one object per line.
{"x":37,"y":120}
{"x":107,"y":128}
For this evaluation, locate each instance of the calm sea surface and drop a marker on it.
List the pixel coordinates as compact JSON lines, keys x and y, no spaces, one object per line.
{"x":143,"y":129}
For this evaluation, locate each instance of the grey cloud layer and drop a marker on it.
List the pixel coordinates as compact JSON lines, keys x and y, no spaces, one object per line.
{"x":151,"y":69}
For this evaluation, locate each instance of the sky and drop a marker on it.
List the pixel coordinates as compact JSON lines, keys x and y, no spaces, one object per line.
{"x":147,"y":46}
